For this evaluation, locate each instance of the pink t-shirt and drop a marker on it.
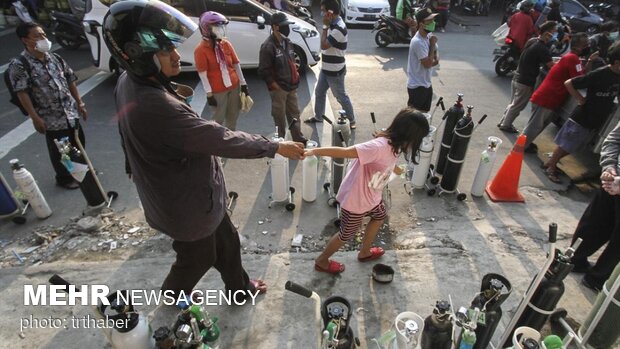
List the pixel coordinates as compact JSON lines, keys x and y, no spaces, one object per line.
{"x":374,"y":156}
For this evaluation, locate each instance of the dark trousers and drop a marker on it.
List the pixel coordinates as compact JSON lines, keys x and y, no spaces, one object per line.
{"x":599,"y":224}
{"x":221,"y":250}
{"x":443,"y":18}
{"x":62,"y":175}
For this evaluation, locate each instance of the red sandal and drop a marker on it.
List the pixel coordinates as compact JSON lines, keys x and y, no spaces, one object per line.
{"x":375,"y":253}
{"x":333,"y":268}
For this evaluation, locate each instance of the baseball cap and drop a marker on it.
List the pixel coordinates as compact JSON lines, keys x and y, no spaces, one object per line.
{"x":279,"y":18}
{"x":424,"y":15}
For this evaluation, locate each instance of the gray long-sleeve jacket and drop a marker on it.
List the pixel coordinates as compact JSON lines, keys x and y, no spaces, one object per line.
{"x":171,"y":152}
{"x":610,"y":151}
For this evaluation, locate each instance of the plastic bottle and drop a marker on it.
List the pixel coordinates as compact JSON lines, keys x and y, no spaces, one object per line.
{"x":29,"y":187}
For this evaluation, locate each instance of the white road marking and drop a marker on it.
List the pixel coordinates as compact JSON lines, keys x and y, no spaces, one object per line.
{"x":19,"y":134}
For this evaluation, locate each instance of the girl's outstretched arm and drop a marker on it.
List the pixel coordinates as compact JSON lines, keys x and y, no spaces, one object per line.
{"x":334,"y":152}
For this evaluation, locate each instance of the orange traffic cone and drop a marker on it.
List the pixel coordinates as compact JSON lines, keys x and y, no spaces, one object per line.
{"x":505,"y":185}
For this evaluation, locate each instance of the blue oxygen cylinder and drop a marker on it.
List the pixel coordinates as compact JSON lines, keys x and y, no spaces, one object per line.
{"x":8,"y":203}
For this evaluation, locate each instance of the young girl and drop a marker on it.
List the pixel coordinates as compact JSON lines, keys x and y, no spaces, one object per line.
{"x":360,"y":192}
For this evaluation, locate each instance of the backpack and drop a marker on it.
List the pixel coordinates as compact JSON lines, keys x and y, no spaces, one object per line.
{"x":7,"y":81}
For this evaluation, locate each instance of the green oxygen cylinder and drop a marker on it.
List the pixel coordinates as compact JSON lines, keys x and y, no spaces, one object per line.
{"x":606,"y":331}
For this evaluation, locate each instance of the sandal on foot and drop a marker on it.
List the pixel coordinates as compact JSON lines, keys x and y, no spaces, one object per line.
{"x":259,"y":285}
{"x":375,"y":253}
{"x":333,"y":268}
{"x":352,"y":126}
{"x":312,"y":120}
{"x":553,"y":176}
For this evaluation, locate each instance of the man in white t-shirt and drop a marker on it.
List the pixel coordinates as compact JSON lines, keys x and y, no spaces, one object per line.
{"x":422,"y":57}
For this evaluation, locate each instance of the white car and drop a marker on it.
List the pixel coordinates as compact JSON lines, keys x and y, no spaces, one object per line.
{"x":364,"y":11}
{"x":247,"y":29}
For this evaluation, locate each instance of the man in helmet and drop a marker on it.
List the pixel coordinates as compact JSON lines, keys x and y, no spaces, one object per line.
{"x":522,"y":25}
{"x":172,"y":152}
{"x":276,"y":65}
{"x":219,"y":70}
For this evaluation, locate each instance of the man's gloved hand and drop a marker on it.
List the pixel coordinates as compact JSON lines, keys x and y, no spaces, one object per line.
{"x":211,"y":101}
{"x":244,"y":89}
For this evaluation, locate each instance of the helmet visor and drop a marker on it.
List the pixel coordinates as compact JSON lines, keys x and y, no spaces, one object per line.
{"x":161,"y":26}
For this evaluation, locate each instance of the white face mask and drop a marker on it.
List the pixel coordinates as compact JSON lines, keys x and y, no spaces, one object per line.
{"x":219,"y":31}
{"x":43,"y":45}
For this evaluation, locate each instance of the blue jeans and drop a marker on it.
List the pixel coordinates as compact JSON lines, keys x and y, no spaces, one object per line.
{"x":336,"y":83}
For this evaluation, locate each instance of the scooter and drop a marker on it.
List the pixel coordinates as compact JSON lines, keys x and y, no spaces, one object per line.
{"x":506,"y":58}
{"x":68,"y":30}
{"x":476,"y":7}
{"x":391,"y":31}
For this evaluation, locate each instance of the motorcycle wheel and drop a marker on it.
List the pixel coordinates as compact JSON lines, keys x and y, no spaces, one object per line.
{"x":380,"y":40}
{"x":70,"y":44}
{"x":502,"y":66}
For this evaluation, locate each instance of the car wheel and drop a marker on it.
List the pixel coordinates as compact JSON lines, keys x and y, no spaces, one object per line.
{"x":301,"y":63}
{"x":591,"y":30}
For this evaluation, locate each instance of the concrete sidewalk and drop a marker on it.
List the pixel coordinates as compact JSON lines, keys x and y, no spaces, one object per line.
{"x":442,"y":247}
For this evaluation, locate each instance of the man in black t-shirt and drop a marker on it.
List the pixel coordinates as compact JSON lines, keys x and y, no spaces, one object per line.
{"x":603,"y":86}
{"x":535,"y":53}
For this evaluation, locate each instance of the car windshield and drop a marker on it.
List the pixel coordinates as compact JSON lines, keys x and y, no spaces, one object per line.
{"x":261,"y":6}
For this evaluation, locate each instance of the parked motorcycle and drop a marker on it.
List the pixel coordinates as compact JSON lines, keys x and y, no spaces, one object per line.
{"x":476,"y":7}
{"x":604,"y":10}
{"x":506,"y":58}
{"x":391,"y":31}
{"x":68,"y":30}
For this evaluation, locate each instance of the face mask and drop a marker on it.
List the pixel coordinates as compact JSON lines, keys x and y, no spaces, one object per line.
{"x":430,"y":27}
{"x":613,"y":36}
{"x":43,"y":45}
{"x":285,"y":30}
{"x":219,"y":32}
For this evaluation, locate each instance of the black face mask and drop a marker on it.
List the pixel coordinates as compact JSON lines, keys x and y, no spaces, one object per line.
{"x":585,"y":52}
{"x":285,"y":30}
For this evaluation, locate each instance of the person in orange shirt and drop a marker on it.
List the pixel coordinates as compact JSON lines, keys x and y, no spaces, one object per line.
{"x":219,"y":70}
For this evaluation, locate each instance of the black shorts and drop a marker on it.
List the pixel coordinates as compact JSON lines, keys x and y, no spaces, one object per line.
{"x":420,"y":98}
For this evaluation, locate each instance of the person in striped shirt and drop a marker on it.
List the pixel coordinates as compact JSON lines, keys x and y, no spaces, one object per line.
{"x":333,"y":68}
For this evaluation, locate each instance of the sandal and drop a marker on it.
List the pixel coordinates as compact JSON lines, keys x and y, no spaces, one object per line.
{"x":352,"y":126}
{"x":259,"y":285}
{"x":312,"y":120}
{"x":375,"y":253}
{"x":334,"y":268}
{"x":553,"y":176}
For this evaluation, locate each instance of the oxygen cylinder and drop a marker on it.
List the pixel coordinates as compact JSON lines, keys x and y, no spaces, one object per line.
{"x":338,"y":166}
{"x":342,"y":125}
{"x":129,"y":329}
{"x":451,"y":117}
{"x":423,"y":158}
{"x":458,"y":149}
{"x":437,"y":332}
{"x":409,"y":327}
{"x":493,"y":292}
{"x":546,"y":296}
{"x":76,"y":164}
{"x":279,"y":175}
{"x":487,"y":160}
{"x":31,"y":191}
{"x":8,"y":203}
{"x":526,"y":338}
{"x":606,"y":331}
{"x":309,"y":174}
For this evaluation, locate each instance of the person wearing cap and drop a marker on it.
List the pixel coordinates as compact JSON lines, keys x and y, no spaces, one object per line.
{"x":276,"y":65}
{"x":219,"y":70}
{"x":422,"y":57}
{"x":333,"y":66}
